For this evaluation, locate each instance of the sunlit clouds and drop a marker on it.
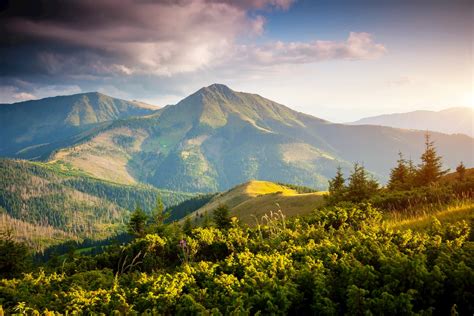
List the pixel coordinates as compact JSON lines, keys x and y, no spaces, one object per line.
{"x":160,"y":51}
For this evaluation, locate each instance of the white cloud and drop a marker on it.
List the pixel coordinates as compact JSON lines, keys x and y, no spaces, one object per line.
{"x":10,"y":94}
{"x":358,"y":46}
{"x":23,"y":96}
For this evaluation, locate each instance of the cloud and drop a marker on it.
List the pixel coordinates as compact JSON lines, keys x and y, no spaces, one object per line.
{"x":22,"y":96}
{"x":106,"y":38}
{"x":148,"y":47}
{"x":28,"y":91}
{"x":358,"y":46}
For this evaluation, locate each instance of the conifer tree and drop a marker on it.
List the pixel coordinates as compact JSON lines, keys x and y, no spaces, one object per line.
{"x":412,"y":173}
{"x":337,"y":186}
{"x":221,"y":217}
{"x":461,"y":171}
{"x":15,"y":257}
{"x":399,"y":176}
{"x":137,"y":223}
{"x":430,"y":169}
{"x":360,"y":186}
{"x":158,"y":214}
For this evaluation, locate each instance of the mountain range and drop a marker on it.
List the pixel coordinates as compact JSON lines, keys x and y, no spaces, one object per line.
{"x":34,"y":128}
{"x":456,"y":120}
{"x":210,"y":141}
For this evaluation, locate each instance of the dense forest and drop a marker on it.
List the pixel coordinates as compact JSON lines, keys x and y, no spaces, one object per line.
{"x":410,"y":254}
{"x":49,"y":196}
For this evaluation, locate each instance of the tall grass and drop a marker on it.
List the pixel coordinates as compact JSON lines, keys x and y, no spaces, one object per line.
{"x":420,"y":217}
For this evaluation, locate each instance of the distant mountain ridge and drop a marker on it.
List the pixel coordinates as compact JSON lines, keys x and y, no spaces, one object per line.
{"x":217,"y":138}
{"x":450,"y":121}
{"x":32,"y":128}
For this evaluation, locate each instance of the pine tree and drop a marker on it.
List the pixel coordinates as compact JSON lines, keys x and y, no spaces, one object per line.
{"x":461,"y":171}
{"x":412,"y":174}
{"x":158,"y":213}
{"x":399,"y":176}
{"x":137,"y":223}
{"x":336,"y":184}
{"x":221,"y":217}
{"x":360,"y":186}
{"x":430,"y":169}
{"x":337,"y":187}
{"x":15,"y":257}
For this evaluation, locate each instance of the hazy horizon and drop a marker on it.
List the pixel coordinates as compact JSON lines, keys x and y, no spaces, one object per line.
{"x":157,"y":106}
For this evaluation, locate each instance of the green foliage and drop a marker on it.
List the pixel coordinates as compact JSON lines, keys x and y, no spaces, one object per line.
{"x":402,"y":176}
{"x":58,"y":122}
{"x":137,"y":223}
{"x":158,"y":216}
{"x":70,"y":202}
{"x":221,"y":217}
{"x":14,"y":256}
{"x":298,"y":188}
{"x":186,"y":207}
{"x":187,"y":225}
{"x":430,"y":169}
{"x":337,"y":186}
{"x":360,"y":188}
{"x":339,"y":260}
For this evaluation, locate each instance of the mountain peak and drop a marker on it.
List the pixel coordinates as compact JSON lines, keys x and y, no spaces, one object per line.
{"x":218,"y":86}
{"x":219,"y":89}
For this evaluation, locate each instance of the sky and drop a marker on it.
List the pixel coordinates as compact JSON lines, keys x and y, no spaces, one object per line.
{"x":337,"y":60}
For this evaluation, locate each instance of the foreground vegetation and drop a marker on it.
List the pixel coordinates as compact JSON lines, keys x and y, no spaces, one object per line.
{"x":336,"y":261}
{"x":412,"y":255}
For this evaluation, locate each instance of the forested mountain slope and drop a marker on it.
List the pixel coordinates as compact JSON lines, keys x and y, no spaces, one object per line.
{"x":217,"y":138}
{"x":63,"y":201}
{"x":33,"y":128}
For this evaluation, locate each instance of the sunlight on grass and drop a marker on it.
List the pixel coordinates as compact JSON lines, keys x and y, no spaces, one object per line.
{"x":459,"y":210}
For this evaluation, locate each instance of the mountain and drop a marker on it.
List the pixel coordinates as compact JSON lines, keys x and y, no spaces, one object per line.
{"x":32,"y":128}
{"x":217,"y":138}
{"x":450,"y":121}
{"x":252,"y":200}
{"x":45,"y":203}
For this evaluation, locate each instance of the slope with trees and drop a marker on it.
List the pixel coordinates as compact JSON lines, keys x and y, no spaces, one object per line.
{"x":66,"y":203}
{"x":217,"y":138}
{"x":33,"y":129}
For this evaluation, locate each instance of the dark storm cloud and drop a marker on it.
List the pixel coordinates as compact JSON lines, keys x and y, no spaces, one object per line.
{"x":120,"y":37}
{"x":86,"y":44}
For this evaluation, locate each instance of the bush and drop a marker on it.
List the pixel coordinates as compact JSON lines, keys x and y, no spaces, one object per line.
{"x":339,"y":260}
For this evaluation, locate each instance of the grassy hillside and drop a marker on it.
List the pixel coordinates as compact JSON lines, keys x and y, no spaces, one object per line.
{"x":451,"y":214}
{"x":217,"y":138}
{"x":252,"y":200}
{"x":52,"y":197}
{"x":34,"y":128}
